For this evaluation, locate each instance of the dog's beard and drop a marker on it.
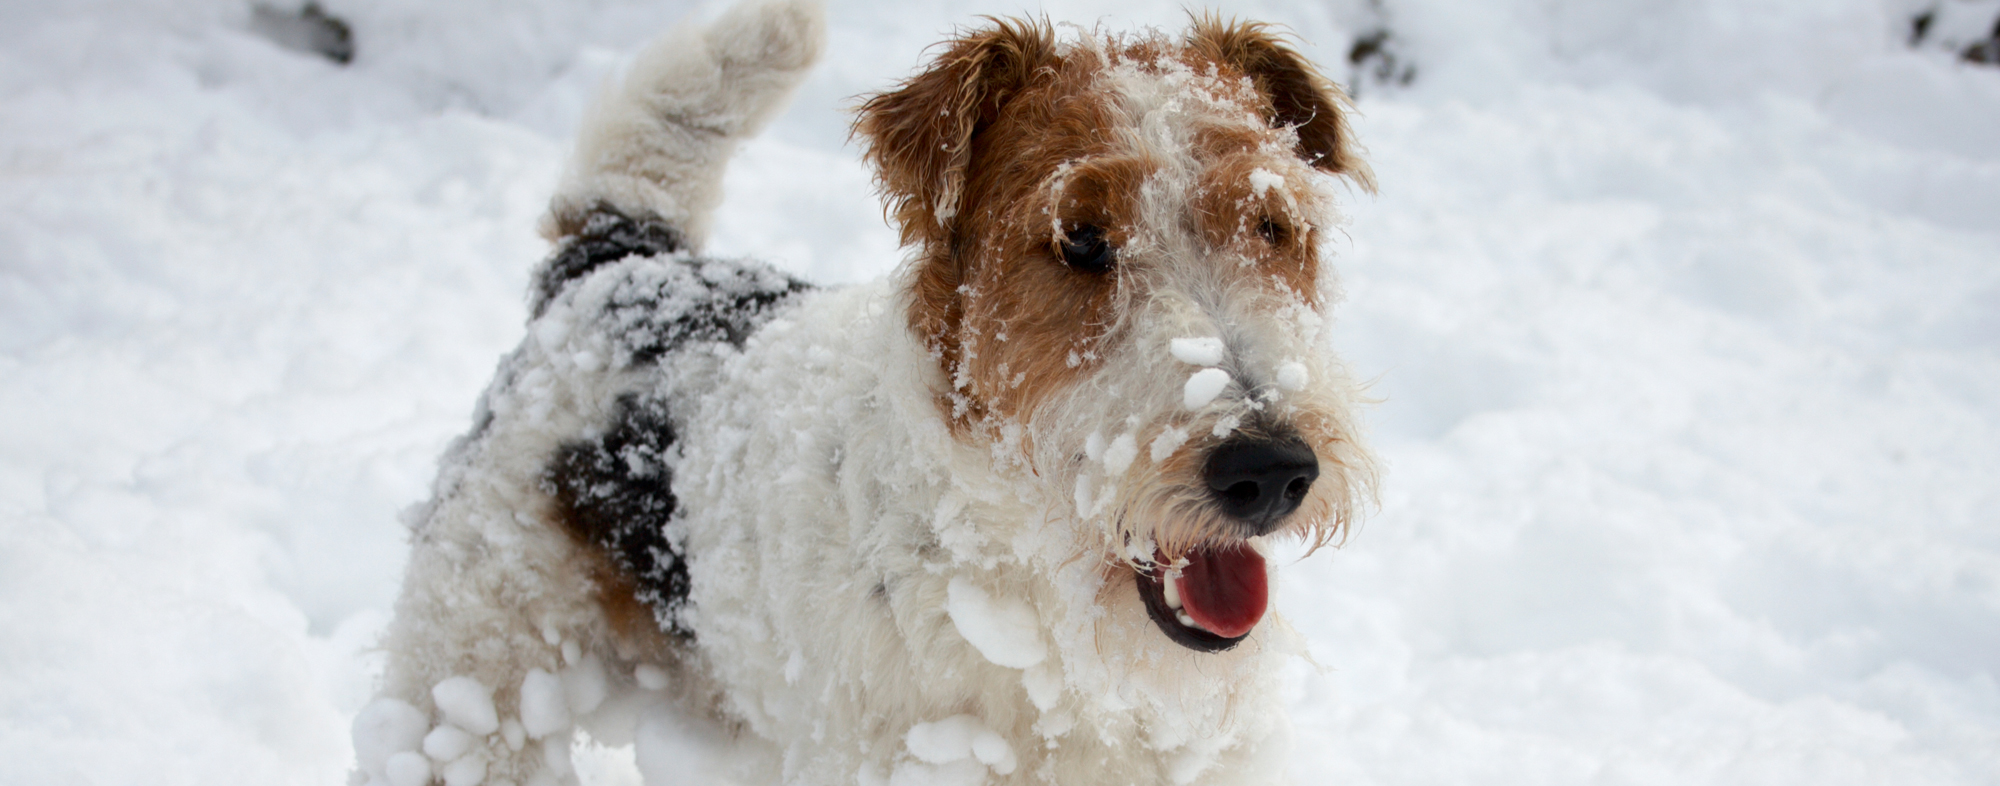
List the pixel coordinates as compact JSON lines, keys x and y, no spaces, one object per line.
{"x":1141,"y":500}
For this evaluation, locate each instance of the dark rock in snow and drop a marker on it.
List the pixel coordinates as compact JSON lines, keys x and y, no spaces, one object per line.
{"x":310,"y":29}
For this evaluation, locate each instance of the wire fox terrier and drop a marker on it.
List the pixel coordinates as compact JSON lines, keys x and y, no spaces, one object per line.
{"x":1003,"y":518}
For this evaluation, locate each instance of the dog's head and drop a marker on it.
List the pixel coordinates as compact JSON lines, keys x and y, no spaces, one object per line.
{"x":1117,"y":268}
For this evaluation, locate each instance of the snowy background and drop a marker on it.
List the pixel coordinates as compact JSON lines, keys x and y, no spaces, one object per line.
{"x":1685,"y":317}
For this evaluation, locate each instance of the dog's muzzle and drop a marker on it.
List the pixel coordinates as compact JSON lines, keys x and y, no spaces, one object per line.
{"x":1219,"y":592}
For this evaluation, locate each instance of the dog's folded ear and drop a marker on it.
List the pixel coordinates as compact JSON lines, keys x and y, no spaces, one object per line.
{"x":920,"y":136}
{"x":1300,"y":96}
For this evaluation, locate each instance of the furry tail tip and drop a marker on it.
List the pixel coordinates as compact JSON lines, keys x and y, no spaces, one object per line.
{"x":655,"y":144}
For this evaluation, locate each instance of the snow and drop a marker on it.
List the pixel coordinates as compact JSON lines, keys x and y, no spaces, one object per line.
{"x":1164,"y":445}
{"x":1044,"y":686}
{"x":960,"y":738}
{"x":385,"y":728}
{"x":1263,"y":180}
{"x":446,"y":743}
{"x":1203,"y":386}
{"x":1685,"y":320}
{"x":468,"y":771}
{"x":1292,"y":375}
{"x":943,"y":741}
{"x":468,"y":704}
{"x":1119,"y":454}
{"x":544,"y":709}
{"x":1197,"y":351}
{"x":1004,"y":630}
{"x":993,"y":751}
{"x":408,"y":768}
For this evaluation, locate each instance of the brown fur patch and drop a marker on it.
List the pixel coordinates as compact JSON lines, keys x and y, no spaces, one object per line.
{"x":1298,"y":95}
{"x":1008,"y":141}
{"x":1233,"y":216}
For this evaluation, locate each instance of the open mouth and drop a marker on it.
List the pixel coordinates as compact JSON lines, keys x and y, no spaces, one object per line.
{"x":1218,"y":595}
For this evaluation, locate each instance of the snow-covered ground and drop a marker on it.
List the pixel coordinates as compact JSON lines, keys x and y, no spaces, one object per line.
{"x":1685,"y":318}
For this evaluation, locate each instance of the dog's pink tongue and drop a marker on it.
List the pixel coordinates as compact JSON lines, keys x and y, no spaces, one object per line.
{"x":1224,"y":590}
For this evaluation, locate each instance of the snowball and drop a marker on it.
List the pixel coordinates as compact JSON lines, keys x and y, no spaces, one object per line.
{"x":512,"y":732}
{"x":1086,"y":500}
{"x":1203,"y":351}
{"x":552,"y":331}
{"x":468,"y":771}
{"x":408,"y":768}
{"x":1118,"y":456}
{"x":555,"y":753}
{"x":585,"y":685}
{"x":1292,"y":376}
{"x":447,"y":742}
{"x":467,"y":705}
{"x":1005,"y":630}
{"x":1169,"y":440}
{"x":993,"y":751}
{"x":944,"y":741}
{"x":544,"y":709}
{"x":1203,"y":386}
{"x":383,"y":728}
{"x":1044,"y":686}
{"x":650,"y":677}
{"x":1262,"y":180}
{"x":1093,"y":446}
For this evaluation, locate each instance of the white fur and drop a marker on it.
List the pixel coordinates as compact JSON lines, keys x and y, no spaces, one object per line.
{"x":657,"y":141}
{"x":857,"y":569}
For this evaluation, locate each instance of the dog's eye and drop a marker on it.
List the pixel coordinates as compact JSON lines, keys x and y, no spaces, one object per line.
{"x":1274,"y":233}
{"x":1087,"y":250}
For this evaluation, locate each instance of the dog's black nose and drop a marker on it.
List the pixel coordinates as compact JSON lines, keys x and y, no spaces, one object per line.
{"x":1261,"y":480}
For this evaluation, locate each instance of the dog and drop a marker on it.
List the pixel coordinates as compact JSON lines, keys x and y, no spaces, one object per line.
{"x":1005,"y":517}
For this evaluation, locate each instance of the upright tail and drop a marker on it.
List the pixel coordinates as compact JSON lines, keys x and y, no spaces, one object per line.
{"x":652,"y":149}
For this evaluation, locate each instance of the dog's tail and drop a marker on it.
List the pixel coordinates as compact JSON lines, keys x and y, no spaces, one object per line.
{"x":652,"y":149}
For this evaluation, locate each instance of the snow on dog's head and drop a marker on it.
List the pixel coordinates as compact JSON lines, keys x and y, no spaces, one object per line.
{"x":1117,"y":268}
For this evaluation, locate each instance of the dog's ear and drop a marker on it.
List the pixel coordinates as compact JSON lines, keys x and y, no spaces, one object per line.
{"x":920,"y":136}
{"x":1300,"y":96}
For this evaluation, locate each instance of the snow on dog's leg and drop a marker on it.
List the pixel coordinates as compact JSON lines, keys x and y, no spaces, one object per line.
{"x":655,"y":146}
{"x":504,"y":637}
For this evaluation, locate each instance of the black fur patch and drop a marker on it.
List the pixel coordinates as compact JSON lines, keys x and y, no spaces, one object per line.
{"x":616,"y":491}
{"x":658,"y":309}
{"x":607,"y":236}
{"x":617,"y":494}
